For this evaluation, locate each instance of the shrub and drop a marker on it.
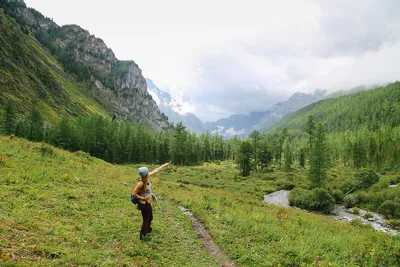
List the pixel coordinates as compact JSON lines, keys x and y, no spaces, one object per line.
{"x":350,"y":200}
{"x":390,"y":209}
{"x":356,"y":210}
{"x":338,"y":195}
{"x":366,"y":178}
{"x":359,"y":223}
{"x":368,"y":215}
{"x":395,"y":224}
{"x":46,"y":150}
{"x":317,"y":199}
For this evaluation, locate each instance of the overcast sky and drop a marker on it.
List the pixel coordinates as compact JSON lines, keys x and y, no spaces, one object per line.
{"x":222,"y":57}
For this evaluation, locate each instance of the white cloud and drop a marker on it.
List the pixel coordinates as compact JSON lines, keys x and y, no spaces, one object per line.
{"x":224,"y":57}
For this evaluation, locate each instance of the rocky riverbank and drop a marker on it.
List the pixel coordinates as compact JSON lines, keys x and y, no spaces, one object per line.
{"x":340,"y":213}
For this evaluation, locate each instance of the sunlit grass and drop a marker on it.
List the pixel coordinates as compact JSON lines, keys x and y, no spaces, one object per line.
{"x":62,"y":208}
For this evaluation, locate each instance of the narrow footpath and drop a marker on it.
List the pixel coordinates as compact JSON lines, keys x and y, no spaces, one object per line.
{"x":213,"y":249}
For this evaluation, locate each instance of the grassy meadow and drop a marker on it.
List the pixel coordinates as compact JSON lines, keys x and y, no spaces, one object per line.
{"x":61,"y":208}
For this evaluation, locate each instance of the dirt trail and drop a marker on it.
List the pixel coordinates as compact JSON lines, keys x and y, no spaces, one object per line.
{"x":205,"y":237}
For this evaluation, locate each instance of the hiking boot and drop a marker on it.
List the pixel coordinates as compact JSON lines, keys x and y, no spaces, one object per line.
{"x":142,"y":235}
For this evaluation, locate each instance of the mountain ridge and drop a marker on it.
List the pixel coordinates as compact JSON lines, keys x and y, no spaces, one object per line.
{"x":169,"y":106}
{"x":118,"y":86}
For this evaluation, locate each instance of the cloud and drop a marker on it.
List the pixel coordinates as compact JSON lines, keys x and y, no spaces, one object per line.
{"x":225,"y":57}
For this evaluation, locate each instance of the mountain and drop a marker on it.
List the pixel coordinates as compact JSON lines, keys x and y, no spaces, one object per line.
{"x":240,"y":124}
{"x":171,"y":108}
{"x":66,"y":70}
{"x":295,"y":102}
{"x":371,"y":109}
{"x":243,"y":124}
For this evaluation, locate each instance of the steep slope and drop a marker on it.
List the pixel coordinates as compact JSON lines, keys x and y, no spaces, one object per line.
{"x":117,"y":85}
{"x":169,"y":106}
{"x":29,"y":76}
{"x":372,"y":109}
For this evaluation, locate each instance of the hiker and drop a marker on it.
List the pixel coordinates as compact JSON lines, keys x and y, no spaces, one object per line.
{"x":143,"y":193}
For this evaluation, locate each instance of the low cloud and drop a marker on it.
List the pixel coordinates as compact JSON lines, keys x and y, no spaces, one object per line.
{"x":226,"y":57}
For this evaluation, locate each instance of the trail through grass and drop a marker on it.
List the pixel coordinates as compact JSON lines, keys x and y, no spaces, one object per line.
{"x":60,"y":208}
{"x":57,"y":208}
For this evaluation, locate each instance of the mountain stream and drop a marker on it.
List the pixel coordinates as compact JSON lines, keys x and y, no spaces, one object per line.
{"x":340,"y":212}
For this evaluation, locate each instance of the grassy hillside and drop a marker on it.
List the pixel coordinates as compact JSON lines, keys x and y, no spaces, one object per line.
{"x":29,"y":76}
{"x":371,"y":109}
{"x":61,"y":208}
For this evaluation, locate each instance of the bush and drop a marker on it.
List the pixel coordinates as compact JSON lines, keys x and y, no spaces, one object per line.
{"x":356,"y":210}
{"x":351,"y":200}
{"x":368,"y":215}
{"x":390,"y":209}
{"x":395,"y":224}
{"x":338,"y":195}
{"x":366,"y":178}
{"x":46,"y":150}
{"x":317,"y":199}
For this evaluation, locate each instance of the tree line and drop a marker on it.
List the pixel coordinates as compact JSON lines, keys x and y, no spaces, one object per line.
{"x":126,"y":142}
{"x":117,"y":141}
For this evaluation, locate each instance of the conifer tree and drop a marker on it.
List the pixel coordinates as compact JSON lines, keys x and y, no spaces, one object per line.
{"x":9,"y":118}
{"x":244,"y":158}
{"x":318,"y":158}
{"x":255,"y":135}
{"x":35,"y":125}
{"x":288,"y":160}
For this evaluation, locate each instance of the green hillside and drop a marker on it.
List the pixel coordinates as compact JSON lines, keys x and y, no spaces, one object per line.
{"x":371,"y":109}
{"x":30,"y":76}
{"x":62,"y":208}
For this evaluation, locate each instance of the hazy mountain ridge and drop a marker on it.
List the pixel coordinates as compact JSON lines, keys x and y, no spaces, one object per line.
{"x":116,"y":85}
{"x":243,"y":124}
{"x":171,"y":108}
{"x":361,"y":108}
{"x":295,"y":102}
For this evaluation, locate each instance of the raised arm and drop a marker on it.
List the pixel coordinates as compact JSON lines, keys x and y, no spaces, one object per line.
{"x":159,"y":169}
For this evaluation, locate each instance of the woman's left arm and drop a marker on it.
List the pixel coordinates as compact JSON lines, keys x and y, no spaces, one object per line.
{"x":159,"y":169}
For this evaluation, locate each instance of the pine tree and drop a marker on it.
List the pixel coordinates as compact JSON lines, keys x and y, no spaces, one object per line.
{"x":63,"y":136}
{"x":265,"y":155}
{"x":35,"y":122}
{"x":179,"y":144}
{"x":244,"y":158}
{"x":318,"y":158}
{"x":255,"y":135}
{"x":310,"y":128}
{"x":288,"y":158}
{"x":9,"y":118}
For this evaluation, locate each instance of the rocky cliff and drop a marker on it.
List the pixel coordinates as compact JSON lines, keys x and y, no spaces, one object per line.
{"x":112,"y":82}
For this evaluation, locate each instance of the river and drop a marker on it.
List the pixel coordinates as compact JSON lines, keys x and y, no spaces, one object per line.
{"x":340,"y":213}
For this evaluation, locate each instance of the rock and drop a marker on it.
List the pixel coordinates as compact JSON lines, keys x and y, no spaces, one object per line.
{"x":120,"y":84}
{"x":279,"y":198}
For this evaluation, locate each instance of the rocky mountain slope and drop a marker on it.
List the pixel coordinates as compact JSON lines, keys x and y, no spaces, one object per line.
{"x":169,"y":106}
{"x":295,"y":102}
{"x":243,"y":124}
{"x":117,"y":86}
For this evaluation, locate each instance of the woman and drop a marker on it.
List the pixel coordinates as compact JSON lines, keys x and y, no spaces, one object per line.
{"x":143,"y":193}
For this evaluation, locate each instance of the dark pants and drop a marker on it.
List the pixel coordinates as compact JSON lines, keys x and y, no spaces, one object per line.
{"x":147,"y":215}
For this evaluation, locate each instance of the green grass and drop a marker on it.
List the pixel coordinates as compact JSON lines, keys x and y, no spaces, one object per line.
{"x":61,"y":208}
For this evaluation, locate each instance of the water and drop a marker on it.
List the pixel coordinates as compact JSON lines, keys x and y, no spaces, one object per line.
{"x":340,"y":213}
